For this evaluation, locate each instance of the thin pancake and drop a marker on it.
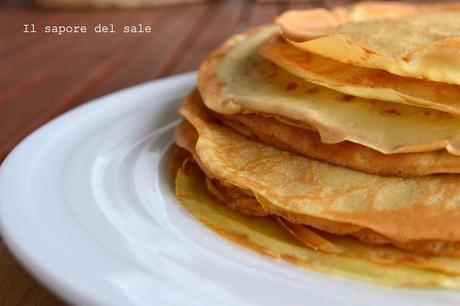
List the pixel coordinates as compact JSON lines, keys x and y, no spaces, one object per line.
{"x":361,"y":82}
{"x":401,"y":209}
{"x":351,"y":247}
{"x":267,"y":237}
{"x":424,"y":46}
{"x":236,"y":79}
{"x":238,"y":200}
{"x":358,"y":157}
{"x":244,"y":202}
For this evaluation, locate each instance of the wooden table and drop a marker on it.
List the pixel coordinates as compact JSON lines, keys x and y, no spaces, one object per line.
{"x":43,"y":75}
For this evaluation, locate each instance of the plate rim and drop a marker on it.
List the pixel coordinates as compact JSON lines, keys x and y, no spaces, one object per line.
{"x":62,"y":287}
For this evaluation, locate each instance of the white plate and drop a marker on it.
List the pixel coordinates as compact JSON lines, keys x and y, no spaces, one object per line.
{"x":87,"y":207}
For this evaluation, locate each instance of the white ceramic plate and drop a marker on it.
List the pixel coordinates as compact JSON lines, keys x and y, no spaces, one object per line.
{"x":87,"y":206}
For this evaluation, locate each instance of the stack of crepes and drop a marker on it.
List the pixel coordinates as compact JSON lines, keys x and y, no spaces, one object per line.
{"x":340,"y":128}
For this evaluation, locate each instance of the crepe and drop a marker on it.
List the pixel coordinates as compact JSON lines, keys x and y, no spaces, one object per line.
{"x":382,"y":265}
{"x":400,"y":209}
{"x":421,"y":45}
{"x":244,"y":201}
{"x":348,"y":154}
{"x":235,"y":79}
{"x":361,"y":82}
{"x":238,"y":200}
{"x":350,"y":247}
{"x":331,"y":166}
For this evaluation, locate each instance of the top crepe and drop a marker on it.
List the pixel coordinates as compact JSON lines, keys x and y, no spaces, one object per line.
{"x":415,"y":44}
{"x":235,"y":79}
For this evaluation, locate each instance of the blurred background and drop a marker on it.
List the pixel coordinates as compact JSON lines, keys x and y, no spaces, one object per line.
{"x":123,"y":3}
{"x":43,"y":74}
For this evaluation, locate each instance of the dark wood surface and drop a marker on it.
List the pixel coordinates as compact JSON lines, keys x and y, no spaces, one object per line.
{"x":44,"y":75}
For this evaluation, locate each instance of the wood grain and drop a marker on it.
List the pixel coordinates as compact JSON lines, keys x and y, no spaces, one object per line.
{"x":17,"y":287}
